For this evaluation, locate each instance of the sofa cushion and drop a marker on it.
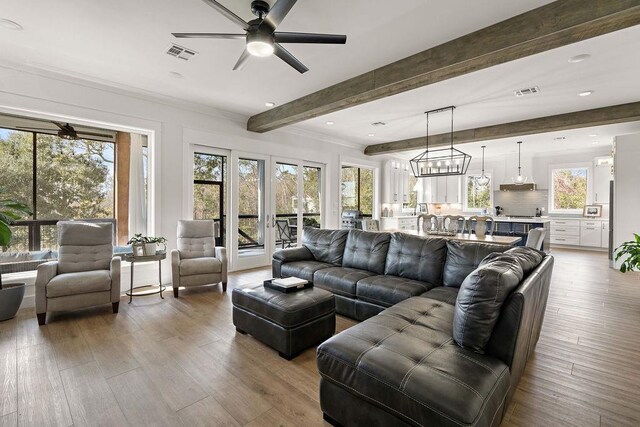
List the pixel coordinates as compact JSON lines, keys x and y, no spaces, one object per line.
{"x":207,"y":265}
{"x":416,"y":258}
{"x":366,"y":250}
{"x":480,"y":298}
{"x":340,"y":280}
{"x":325,"y":245}
{"x":82,"y":282}
{"x":529,"y":258}
{"x":463,"y":258}
{"x":447,"y":294}
{"x":389,"y":290}
{"x":303,"y":269}
{"x":286,"y":310}
{"x":405,"y":361}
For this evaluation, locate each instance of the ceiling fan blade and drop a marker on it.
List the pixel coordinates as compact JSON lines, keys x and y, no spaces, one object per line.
{"x":43,"y":129}
{"x":287,"y":57}
{"x":208,"y":36}
{"x":284,"y":37}
{"x":226,"y":12}
{"x":278,"y":13}
{"x":60,"y":125}
{"x":242,"y":60}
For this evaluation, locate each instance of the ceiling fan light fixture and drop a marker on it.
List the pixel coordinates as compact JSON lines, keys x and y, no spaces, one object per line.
{"x":68,"y":135}
{"x":260,"y":44}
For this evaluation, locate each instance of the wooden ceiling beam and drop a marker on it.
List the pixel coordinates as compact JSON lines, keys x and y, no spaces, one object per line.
{"x":556,"y":24}
{"x":580,"y":119}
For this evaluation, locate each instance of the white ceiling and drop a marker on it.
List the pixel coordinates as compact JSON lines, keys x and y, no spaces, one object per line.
{"x":124,"y":42}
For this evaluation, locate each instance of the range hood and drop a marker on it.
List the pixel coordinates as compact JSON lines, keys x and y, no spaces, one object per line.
{"x":518,"y":187}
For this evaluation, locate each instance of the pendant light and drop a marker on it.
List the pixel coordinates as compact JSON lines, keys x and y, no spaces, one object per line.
{"x":483,"y":180}
{"x":443,"y":161}
{"x":519,"y":180}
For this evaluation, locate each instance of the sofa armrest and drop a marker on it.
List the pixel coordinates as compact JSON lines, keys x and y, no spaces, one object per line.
{"x":301,"y":253}
{"x":175,"y":268}
{"x":116,"y":273}
{"x":46,"y":272}
{"x":221,"y":255}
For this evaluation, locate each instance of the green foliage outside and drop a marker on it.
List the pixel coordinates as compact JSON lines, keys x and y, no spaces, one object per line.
{"x":352,"y":190}
{"x":477,"y":197}
{"x":569,"y":188}
{"x":74,"y":179}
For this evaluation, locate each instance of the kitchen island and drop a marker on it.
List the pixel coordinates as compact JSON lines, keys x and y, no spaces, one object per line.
{"x":465,"y":237}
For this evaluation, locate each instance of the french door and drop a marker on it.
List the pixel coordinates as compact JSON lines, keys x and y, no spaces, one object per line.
{"x":272,"y":199}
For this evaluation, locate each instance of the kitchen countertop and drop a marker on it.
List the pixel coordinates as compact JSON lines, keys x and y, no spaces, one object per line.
{"x":538,"y":220}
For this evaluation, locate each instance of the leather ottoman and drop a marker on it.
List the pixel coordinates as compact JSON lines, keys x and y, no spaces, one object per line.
{"x":289,"y":323}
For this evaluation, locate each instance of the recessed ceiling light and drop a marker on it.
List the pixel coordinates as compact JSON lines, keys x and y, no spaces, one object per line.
{"x":10,"y":25}
{"x":270,"y":104}
{"x":372,"y":134}
{"x":579,"y":58}
{"x":329,"y":123}
{"x":593,"y":135}
{"x":595,"y":142}
{"x":175,"y":74}
{"x":585,"y":93}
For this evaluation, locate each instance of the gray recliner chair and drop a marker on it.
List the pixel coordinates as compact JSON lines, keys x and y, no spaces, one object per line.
{"x":85,"y":275}
{"x":198,"y":261}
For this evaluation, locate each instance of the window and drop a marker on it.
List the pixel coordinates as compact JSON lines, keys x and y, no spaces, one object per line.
{"x":477,"y":198}
{"x":312,"y":186}
{"x":209,"y":190}
{"x":569,"y":188}
{"x":59,"y":179}
{"x":357,"y":189}
{"x":413,"y":194}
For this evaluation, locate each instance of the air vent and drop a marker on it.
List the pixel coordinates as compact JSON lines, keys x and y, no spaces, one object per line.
{"x":181,"y":52}
{"x":527,"y":91}
{"x":378,"y":124}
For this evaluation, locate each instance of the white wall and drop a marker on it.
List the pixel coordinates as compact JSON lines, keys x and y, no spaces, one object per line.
{"x":626,"y":202}
{"x":171,"y":125}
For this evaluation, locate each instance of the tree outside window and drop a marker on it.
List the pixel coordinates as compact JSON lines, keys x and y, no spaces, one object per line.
{"x":569,"y":188}
{"x":477,"y":197}
{"x":357,"y":189}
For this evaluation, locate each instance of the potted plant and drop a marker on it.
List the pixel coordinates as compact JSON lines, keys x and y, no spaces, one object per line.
{"x":149,"y":243}
{"x":11,"y":294}
{"x":632,"y":250}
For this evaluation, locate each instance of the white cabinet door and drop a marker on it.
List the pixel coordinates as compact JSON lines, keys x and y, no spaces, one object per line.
{"x":453,"y":189}
{"x":406,"y":191}
{"x":605,"y":234}
{"x":601,"y":177}
{"x":591,"y":235}
{"x":441,"y":194}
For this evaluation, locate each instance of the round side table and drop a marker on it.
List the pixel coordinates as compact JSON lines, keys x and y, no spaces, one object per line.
{"x":154,"y":289}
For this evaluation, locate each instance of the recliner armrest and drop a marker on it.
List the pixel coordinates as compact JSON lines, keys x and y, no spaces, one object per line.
{"x":46,"y":272}
{"x":221,"y":255}
{"x":300,"y":253}
{"x":116,"y":270}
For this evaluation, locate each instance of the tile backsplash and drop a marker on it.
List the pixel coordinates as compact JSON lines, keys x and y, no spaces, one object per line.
{"x":521,"y":202}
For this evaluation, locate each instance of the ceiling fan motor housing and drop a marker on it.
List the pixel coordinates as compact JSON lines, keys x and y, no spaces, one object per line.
{"x":260,"y":8}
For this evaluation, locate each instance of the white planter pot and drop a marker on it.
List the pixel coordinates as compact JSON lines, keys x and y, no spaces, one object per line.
{"x":150,"y":248}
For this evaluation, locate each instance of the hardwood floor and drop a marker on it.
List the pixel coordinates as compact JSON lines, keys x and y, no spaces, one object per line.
{"x":180,"y":362}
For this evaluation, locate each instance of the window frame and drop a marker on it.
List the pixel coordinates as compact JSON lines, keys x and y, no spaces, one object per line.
{"x":465,"y":196}
{"x":558,"y":166}
{"x":358,"y":192}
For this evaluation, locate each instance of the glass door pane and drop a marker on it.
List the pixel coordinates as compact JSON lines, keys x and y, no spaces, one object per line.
{"x":251,"y":207}
{"x":312,"y":196}
{"x":209,"y":190}
{"x":286,"y":204}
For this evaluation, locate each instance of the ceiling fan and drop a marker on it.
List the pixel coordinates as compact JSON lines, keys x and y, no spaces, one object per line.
{"x":261,"y":35}
{"x":66,"y":131}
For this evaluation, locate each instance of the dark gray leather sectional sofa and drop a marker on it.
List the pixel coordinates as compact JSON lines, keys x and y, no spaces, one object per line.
{"x":401,"y":366}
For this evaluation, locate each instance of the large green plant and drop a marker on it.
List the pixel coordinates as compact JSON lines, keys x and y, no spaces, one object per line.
{"x":630,"y":249}
{"x":10,"y":212}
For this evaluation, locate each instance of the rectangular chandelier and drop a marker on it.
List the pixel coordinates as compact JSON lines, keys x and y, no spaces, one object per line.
{"x":441,"y":161}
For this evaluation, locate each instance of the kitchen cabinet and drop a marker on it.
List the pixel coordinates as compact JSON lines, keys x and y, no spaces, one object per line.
{"x":396,"y":182}
{"x":565,"y":231}
{"x":444,"y":189}
{"x":399,"y":223}
{"x":591,"y":233}
{"x":605,"y":234}
{"x":601,"y":177}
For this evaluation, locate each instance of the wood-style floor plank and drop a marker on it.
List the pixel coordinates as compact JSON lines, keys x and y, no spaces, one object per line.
{"x":91,"y":401}
{"x":181,"y":362}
